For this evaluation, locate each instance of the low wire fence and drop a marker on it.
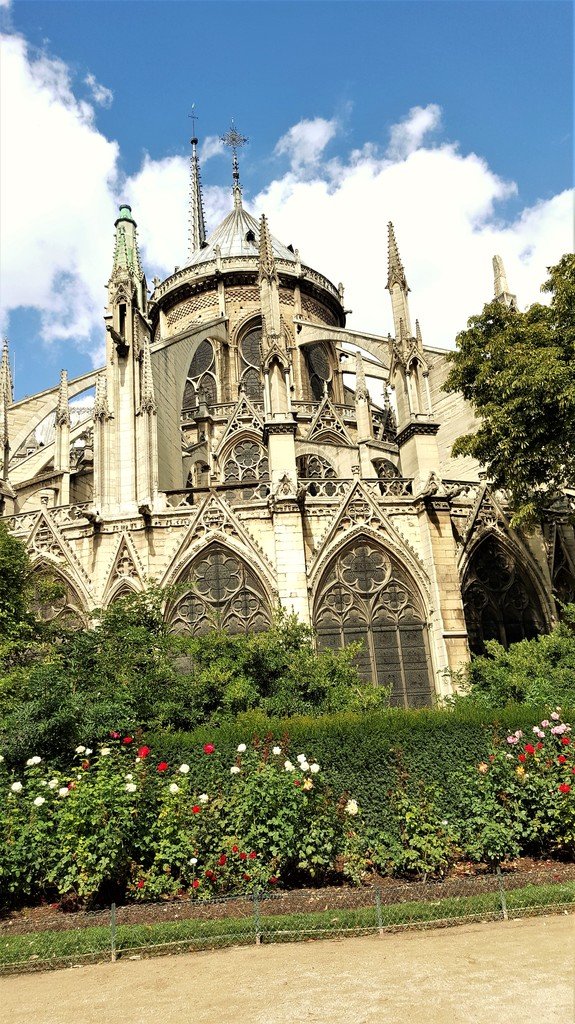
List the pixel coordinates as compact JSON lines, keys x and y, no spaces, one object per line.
{"x":47,"y":938}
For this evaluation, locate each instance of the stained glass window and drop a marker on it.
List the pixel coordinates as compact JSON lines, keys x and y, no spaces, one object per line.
{"x":224,"y":594}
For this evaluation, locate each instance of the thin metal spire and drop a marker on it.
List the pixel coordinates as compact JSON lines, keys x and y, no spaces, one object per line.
{"x":235,"y":140}
{"x":197,"y":229}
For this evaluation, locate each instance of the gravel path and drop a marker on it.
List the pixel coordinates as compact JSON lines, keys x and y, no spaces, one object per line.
{"x":491,"y":973}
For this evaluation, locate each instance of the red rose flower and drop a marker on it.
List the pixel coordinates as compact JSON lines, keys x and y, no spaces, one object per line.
{"x":196,"y":809}
{"x":529,"y":748}
{"x":273,"y":880}
{"x":143,"y":752}
{"x":210,"y":874}
{"x":247,"y":877}
{"x":223,"y":860}
{"x":163,"y":766}
{"x":128,"y":739}
{"x":85,"y":764}
{"x":253,"y":855}
{"x":209,"y":748}
{"x":565,"y":741}
{"x":521,"y":757}
{"x":296,"y":782}
{"x":561,"y":759}
{"x":115,"y":735}
{"x":539,"y":746}
{"x":564,"y":788}
{"x":243,"y":856}
{"x":195,"y":884}
{"x":235,"y":848}
{"x":141,"y":883}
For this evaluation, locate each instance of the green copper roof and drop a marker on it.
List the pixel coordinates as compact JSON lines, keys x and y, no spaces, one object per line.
{"x":126,"y":213}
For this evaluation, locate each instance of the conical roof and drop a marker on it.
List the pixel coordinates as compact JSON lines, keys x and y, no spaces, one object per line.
{"x":237,"y":235}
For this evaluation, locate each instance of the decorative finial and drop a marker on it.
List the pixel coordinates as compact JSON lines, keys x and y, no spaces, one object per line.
{"x":395,"y":271}
{"x":63,"y":407}
{"x":501,"y":287}
{"x":193,"y":118}
{"x":6,"y":381}
{"x":267,"y":269}
{"x":361,"y":389}
{"x":418,"y":337}
{"x":148,"y":399}
{"x":235,"y":140}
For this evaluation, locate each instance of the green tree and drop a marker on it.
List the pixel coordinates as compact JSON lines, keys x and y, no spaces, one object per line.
{"x":518,"y":372}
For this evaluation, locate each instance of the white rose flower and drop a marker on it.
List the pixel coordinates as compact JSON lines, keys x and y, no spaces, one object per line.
{"x":64,"y":791}
{"x":304,"y":766}
{"x":184,"y":769}
{"x":33,"y":760}
{"x":242,"y":748}
{"x":79,"y":777}
{"x":105,"y":751}
{"x":174,"y":788}
{"x":128,"y":777}
{"x":53,"y":783}
{"x":16,"y":787}
{"x":351,"y":807}
{"x":234,"y":770}
{"x":301,"y":757}
{"x":80,"y":750}
{"x":314,"y":768}
{"x":289,"y":766}
{"x":276,"y":750}
{"x":88,"y":750}
{"x":203,"y":798}
{"x":1,"y":758}
{"x":193,"y":860}
{"x":131,"y":787}
{"x":39,"y":801}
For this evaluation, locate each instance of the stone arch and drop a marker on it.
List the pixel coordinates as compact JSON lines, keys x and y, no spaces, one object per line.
{"x":224,"y":593}
{"x":501,"y":597}
{"x":122,"y":588}
{"x":366,"y":593}
{"x":64,"y":604}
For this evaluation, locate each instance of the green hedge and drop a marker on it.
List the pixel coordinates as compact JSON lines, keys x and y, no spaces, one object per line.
{"x":365,"y":755}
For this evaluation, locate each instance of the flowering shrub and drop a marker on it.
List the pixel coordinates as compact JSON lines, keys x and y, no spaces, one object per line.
{"x":125,"y":821}
{"x":521,"y":797}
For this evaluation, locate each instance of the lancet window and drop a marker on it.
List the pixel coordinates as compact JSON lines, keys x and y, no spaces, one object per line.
{"x":319,"y":369}
{"x":251,"y":360}
{"x":499,"y":599}
{"x":224,"y":594}
{"x":201,"y":383}
{"x":55,"y":600}
{"x":367,"y":596}
{"x":315,"y":467}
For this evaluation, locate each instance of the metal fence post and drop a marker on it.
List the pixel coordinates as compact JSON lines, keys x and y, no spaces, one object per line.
{"x":378,"y":910}
{"x":502,"y":898}
{"x":257,"y":923}
{"x":113,"y":931}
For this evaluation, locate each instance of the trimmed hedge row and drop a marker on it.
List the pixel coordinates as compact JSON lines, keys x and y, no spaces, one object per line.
{"x":366,"y":755}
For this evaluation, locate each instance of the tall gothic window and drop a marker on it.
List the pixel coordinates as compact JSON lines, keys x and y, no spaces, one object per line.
{"x":499,"y":599}
{"x":251,"y":361}
{"x":366,"y":595}
{"x":224,"y":594}
{"x":319,"y":370}
{"x":201,"y":382}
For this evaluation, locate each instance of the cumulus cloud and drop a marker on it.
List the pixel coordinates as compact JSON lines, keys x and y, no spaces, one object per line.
{"x":211,"y":146}
{"x":100,"y":93}
{"x":448,"y":208}
{"x":57,"y":179}
{"x":305,"y":141}
{"x":408,"y":135}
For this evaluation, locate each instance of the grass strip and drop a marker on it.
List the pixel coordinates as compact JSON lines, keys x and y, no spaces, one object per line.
{"x":41,"y":949}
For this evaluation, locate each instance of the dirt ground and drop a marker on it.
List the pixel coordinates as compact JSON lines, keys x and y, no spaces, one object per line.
{"x":471,"y":974}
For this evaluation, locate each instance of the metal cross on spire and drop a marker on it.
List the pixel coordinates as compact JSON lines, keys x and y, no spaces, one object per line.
{"x":193,"y":117}
{"x":234,"y":140}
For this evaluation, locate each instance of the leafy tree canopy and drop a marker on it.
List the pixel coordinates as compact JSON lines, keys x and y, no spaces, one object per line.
{"x":518,"y":372}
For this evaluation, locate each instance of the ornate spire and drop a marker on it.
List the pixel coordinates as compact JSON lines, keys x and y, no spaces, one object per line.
{"x":126,"y":252}
{"x":63,"y":407}
{"x":418,"y":337}
{"x":6,"y":383}
{"x":197,"y":222}
{"x":148,"y":398}
{"x":235,"y":140}
{"x":395,"y":271}
{"x":101,"y":407}
{"x":361,"y":390}
{"x":267,"y":268}
{"x":501,"y":287}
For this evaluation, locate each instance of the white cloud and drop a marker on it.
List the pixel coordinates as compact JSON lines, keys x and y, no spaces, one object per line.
{"x":211,"y":146}
{"x":57,"y":180}
{"x":447,"y":207}
{"x":408,"y":135}
{"x":305,"y":141}
{"x":100,"y":93}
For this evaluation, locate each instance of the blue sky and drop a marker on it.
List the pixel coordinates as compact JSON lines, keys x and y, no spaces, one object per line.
{"x":452,"y":118}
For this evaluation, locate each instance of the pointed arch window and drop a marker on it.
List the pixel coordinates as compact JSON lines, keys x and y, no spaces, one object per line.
{"x":224,"y":594}
{"x":251,"y":361}
{"x":319,"y":370}
{"x":201,"y":383}
{"x":499,"y":599}
{"x":55,"y":600}
{"x":367,"y":595}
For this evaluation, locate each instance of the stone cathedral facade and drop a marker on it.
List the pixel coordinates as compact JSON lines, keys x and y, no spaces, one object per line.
{"x":231,"y":444}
